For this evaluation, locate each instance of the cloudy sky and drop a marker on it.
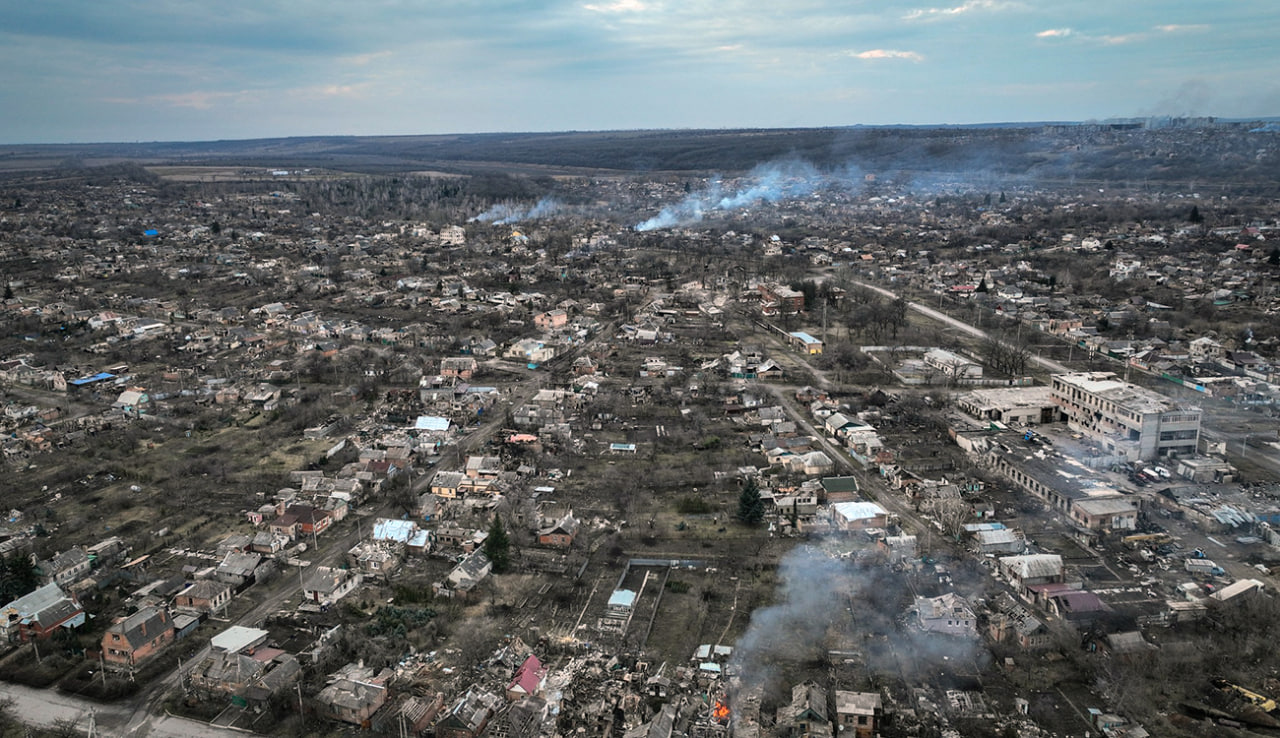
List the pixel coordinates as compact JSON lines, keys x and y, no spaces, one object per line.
{"x":146,"y":70}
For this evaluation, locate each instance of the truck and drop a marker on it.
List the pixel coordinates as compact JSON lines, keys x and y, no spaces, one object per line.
{"x":1146,"y":539}
{"x":1203,"y":567}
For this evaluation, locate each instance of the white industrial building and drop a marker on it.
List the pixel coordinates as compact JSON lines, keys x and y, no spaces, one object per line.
{"x":1129,"y":421}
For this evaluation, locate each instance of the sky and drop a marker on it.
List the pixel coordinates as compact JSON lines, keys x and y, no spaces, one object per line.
{"x":172,"y":70}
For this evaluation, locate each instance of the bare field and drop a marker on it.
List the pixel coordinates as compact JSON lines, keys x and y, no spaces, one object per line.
{"x":239,"y":174}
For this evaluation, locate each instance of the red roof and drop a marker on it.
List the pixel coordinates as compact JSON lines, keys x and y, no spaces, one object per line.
{"x":528,"y":676}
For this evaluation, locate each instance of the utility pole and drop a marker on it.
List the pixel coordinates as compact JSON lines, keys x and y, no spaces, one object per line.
{"x":1128,"y":362}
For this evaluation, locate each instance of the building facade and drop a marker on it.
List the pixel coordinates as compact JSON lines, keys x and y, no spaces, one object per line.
{"x":1128,"y":420}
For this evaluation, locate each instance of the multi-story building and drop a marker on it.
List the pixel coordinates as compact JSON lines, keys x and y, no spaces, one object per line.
{"x":133,"y":639}
{"x":778,"y":299}
{"x":1129,"y":421}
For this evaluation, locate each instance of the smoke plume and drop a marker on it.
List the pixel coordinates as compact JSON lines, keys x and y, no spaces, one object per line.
{"x":827,"y":602}
{"x":505,"y":213}
{"x":794,"y":629}
{"x":768,"y":183}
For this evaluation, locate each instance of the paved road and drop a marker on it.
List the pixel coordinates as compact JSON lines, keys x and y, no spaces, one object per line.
{"x":44,"y":708}
{"x":1049,"y":364}
{"x":141,"y":716}
{"x":1232,"y":432}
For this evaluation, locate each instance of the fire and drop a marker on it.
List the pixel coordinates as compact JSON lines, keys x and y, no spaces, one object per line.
{"x":720,"y":711}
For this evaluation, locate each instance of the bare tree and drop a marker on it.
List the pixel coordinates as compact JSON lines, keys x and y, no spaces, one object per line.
{"x":950,"y":512}
{"x":1007,"y":355}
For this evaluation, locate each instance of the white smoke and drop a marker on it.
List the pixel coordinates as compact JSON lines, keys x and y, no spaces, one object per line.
{"x":768,"y":183}
{"x":689,"y":210}
{"x":820,"y":596}
{"x":792,"y":630}
{"x":506,"y":213}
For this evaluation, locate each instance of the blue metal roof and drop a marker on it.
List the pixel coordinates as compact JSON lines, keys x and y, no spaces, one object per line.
{"x":431,"y":423}
{"x":100,"y":376}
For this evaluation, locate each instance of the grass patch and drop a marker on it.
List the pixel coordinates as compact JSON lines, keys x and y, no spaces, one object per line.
{"x":21,"y":667}
{"x":693,"y":506}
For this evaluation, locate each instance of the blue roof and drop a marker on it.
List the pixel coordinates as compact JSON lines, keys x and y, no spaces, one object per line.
{"x":394,"y":530}
{"x":95,"y":378}
{"x":431,"y":423}
{"x":622,"y":598}
{"x":151,"y":232}
{"x":804,"y":337}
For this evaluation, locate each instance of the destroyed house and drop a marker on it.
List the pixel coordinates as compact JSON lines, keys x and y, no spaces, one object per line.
{"x":353,"y":696}
{"x":469,"y":716}
{"x":39,"y":614}
{"x":857,"y":713}
{"x":806,"y":715}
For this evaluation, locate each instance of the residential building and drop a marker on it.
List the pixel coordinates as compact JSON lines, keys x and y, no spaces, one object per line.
{"x":308,"y":521}
{"x":237,"y":569}
{"x":222,"y":673}
{"x":949,"y":614}
{"x":806,"y":715}
{"x":1012,"y":621}
{"x":528,"y":679}
{"x":206,"y":595}
{"x":1032,"y":569}
{"x":551,"y":319}
{"x":532,"y":351}
{"x":466,"y":576}
{"x":852,"y":516}
{"x":39,"y":614}
{"x":327,"y":585}
{"x":446,"y":483}
{"x":412,"y":714}
{"x":138,"y":637}
{"x":858,"y":713}
{"x":483,"y":467}
{"x":462,"y":367}
{"x":776,"y":299}
{"x":354,"y":693}
{"x":559,"y":534}
{"x":66,"y":568}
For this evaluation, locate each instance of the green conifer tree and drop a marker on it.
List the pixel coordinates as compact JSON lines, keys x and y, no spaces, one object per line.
{"x":497,"y":546}
{"x":750,"y":506}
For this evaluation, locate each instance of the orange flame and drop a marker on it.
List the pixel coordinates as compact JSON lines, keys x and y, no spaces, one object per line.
{"x":720,"y":711}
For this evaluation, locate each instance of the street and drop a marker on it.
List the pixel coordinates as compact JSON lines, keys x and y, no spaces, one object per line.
{"x":46,"y":708}
{"x":140,"y":715}
{"x":929,"y":312}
